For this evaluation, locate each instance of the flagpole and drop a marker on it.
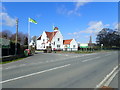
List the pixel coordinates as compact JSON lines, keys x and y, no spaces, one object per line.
{"x":53,"y":36}
{"x":28,"y":33}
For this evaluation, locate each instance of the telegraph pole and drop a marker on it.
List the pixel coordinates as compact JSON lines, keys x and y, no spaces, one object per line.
{"x":28,"y":33}
{"x":16,"y":36}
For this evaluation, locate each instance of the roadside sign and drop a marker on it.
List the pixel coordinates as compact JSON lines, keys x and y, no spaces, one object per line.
{"x":4,"y":43}
{"x":84,"y":45}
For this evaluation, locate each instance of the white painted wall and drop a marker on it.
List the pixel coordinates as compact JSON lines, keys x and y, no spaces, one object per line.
{"x":39,"y":42}
{"x":55,"y":39}
{"x":70,"y":46}
{"x":73,"y":42}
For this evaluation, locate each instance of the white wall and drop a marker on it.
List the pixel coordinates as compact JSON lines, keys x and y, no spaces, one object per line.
{"x":70,"y":47}
{"x":55,"y":39}
{"x":73,"y":42}
{"x":39,"y":42}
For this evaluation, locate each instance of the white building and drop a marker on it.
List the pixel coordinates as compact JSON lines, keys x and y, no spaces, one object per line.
{"x":53,"y":39}
{"x":70,"y":45}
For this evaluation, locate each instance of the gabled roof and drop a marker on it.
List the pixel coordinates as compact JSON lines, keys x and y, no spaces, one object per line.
{"x":39,"y":38}
{"x":67,"y":41}
{"x":50,"y":35}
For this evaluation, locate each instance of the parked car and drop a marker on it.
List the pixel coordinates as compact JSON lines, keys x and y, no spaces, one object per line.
{"x":27,"y":52}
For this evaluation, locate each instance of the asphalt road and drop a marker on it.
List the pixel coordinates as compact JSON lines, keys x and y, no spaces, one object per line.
{"x":55,"y":70}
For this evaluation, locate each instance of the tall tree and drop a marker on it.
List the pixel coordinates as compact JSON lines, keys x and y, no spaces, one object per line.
{"x":108,"y":37}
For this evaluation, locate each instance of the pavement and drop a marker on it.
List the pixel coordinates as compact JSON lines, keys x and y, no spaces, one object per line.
{"x":60,"y":70}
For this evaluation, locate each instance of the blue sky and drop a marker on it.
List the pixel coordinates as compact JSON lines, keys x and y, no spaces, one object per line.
{"x":76,"y":20}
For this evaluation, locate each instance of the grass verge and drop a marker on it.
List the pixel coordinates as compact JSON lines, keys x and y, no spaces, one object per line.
{"x":13,"y":60}
{"x":83,"y":52}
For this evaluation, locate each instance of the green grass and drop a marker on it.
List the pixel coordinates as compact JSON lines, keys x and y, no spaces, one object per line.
{"x":74,"y":52}
{"x":13,"y":60}
{"x":83,"y":52}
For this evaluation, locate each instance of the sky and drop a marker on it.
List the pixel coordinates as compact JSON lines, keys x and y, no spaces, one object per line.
{"x":78,"y":20}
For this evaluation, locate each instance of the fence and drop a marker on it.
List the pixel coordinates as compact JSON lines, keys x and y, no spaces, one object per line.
{"x":11,"y":50}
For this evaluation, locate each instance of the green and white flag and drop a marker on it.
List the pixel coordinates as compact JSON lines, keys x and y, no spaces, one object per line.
{"x":32,"y":20}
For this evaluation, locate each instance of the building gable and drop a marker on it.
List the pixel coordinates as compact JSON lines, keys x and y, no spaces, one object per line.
{"x":50,"y":35}
{"x":67,"y":41}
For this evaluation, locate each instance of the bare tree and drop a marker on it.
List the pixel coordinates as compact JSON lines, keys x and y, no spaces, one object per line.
{"x":22,"y":38}
{"x":6,"y":34}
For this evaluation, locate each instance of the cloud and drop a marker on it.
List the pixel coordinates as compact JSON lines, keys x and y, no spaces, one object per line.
{"x":77,"y":7}
{"x":94,"y":28}
{"x":6,"y":19}
{"x":2,"y":8}
{"x":74,"y":11}
{"x":117,"y":25}
{"x":62,"y":9}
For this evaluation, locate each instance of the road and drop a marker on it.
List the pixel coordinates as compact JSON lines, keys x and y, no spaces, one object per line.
{"x":58,"y":70}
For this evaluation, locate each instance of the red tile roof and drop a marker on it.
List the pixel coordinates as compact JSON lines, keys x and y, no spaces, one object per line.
{"x":50,"y":35}
{"x":67,"y":41}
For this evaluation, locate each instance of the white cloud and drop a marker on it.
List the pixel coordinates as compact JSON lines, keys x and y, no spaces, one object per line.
{"x":62,"y":9}
{"x":74,"y":11}
{"x":117,"y":25}
{"x":69,"y":33}
{"x":107,"y":25}
{"x":78,"y":4}
{"x":6,"y":19}
{"x":94,"y":28}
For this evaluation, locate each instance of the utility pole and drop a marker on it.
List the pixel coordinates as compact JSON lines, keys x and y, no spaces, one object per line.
{"x":16,"y":36}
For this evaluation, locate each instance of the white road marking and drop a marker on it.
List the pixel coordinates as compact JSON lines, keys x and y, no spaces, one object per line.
{"x":90,"y":59}
{"x":107,"y":77}
{"x":111,"y":78}
{"x":35,"y":73}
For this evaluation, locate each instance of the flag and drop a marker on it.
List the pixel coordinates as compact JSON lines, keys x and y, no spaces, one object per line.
{"x":32,"y":20}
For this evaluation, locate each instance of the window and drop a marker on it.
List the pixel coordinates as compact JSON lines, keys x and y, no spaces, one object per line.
{"x":43,"y":40}
{"x":58,"y":39}
{"x":54,"y":43}
{"x":73,"y":46}
{"x":58,"y":46}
